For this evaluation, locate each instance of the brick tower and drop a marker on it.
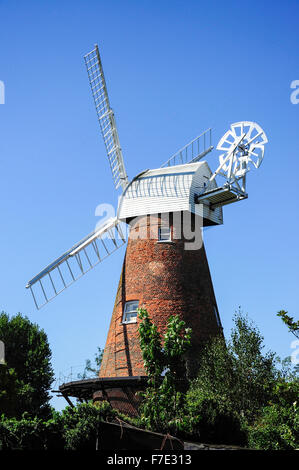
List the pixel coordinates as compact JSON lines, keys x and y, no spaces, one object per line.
{"x":160,"y":275}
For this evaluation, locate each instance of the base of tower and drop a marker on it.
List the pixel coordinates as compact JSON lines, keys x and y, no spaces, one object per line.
{"x":120,"y":392}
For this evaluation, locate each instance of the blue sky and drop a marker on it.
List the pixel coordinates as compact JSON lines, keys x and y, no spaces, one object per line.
{"x":173,"y":69}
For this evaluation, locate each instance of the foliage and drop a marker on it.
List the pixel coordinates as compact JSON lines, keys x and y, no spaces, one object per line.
{"x":277,"y":428}
{"x":214,"y":422}
{"x":237,"y":375}
{"x":255,"y":372}
{"x":80,"y":424}
{"x":72,"y":429}
{"x":30,"y":433}
{"x":151,"y":347}
{"x":285,"y":402}
{"x":8,"y":389}
{"x":210,"y":398}
{"x":292,"y":325}
{"x":287,"y":371}
{"x":162,"y":407}
{"x":91,"y":370}
{"x":28,"y":376}
{"x":235,"y":382}
{"x":239,"y":396}
{"x":285,"y":393}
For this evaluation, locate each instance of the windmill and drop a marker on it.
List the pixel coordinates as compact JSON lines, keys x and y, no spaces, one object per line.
{"x":162,"y":271}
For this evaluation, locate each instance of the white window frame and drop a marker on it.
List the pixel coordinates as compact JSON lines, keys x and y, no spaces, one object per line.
{"x":134,"y":319}
{"x":169,"y":239}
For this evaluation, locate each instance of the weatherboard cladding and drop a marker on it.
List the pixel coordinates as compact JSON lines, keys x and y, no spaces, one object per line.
{"x":168,"y":190}
{"x":200,"y":178}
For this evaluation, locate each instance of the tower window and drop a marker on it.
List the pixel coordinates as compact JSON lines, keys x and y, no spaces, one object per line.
{"x":130,"y":311}
{"x":164,"y":234}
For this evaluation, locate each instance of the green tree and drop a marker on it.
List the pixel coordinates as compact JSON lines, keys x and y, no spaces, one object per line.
{"x":235,"y":378}
{"x":163,"y":355}
{"x":29,"y":373}
{"x":92,"y":369}
{"x":288,"y":371}
{"x":255,"y":372}
{"x":8,"y":389}
{"x":292,"y":325}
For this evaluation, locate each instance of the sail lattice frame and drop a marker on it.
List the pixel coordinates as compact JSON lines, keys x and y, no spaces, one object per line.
{"x":106,"y":117}
{"x":76,"y":262}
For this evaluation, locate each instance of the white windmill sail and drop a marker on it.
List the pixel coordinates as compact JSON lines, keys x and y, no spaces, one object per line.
{"x":76,"y":262}
{"x":106,"y":117}
{"x":243,"y":146}
{"x":197,"y":149}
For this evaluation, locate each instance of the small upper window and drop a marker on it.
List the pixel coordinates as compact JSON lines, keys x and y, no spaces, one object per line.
{"x":164,"y":234}
{"x":130,"y":312}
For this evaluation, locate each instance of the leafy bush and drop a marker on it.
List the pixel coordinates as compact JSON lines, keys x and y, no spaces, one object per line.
{"x":213,"y":422}
{"x":276,"y":429}
{"x":72,"y":429}
{"x":31,"y":433}
{"x":80,"y":424}
{"x":162,"y":408}
{"x":212,"y":418}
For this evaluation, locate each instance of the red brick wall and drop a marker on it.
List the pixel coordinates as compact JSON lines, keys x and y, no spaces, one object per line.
{"x":124,"y":399}
{"x":167,"y":280}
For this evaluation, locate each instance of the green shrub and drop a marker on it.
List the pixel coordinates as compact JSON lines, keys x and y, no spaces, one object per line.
{"x":162,"y":408}
{"x":72,"y":429}
{"x":212,"y":421}
{"x":31,"y":433}
{"x":276,"y":429}
{"x":80,"y":424}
